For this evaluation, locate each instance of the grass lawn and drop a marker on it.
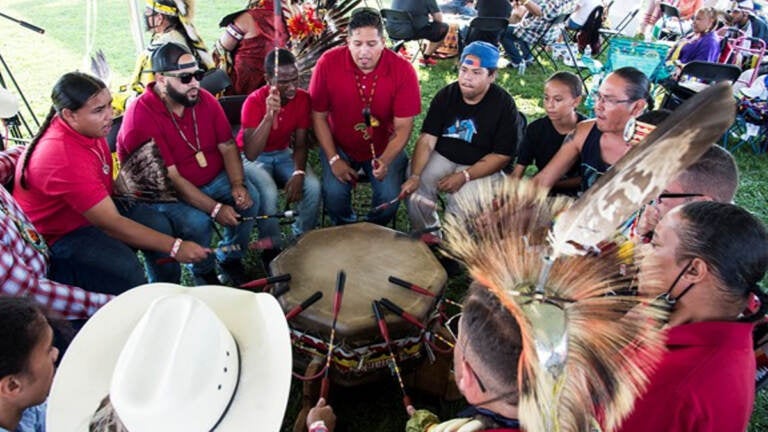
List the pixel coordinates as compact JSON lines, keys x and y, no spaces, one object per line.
{"x":38,"y":60}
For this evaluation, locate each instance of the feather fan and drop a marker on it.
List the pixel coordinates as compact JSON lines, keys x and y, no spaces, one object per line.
{"x":583,"y":346}
{"x":645,"y":170}
{"x":560,"y":269}
{"x":144,"y":177}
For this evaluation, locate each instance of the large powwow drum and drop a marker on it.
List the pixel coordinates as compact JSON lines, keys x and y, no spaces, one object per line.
{"x":369,"y":255}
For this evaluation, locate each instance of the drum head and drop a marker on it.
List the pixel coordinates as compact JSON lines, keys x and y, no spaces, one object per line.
{"x":369,"y":254}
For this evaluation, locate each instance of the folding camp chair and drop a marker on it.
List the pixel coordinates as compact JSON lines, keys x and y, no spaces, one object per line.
{"x":702,"y":74}
{"x":611,"y":33}
{"x":400,"y":28}
{"x":487,"y":29}
{"x":538,"y":48}
{"x":669,"y":12}
{"x":746,"y":53}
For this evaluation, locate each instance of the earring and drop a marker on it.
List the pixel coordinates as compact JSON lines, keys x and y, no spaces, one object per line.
{"x":629,"y":130}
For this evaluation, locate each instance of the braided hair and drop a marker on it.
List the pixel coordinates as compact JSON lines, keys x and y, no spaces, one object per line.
{"x":71,"y":92}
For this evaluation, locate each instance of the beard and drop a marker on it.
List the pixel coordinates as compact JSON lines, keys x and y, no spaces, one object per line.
{"x":181,"y":98}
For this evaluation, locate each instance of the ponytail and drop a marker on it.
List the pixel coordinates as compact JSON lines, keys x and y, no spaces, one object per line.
{"x":28,"y":153}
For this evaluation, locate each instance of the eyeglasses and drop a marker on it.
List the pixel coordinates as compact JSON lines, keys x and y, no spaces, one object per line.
{"x":452,"y":325}
{"x":610,"y":101}
{"x":186,"y":77}
{"x":670,"y":195}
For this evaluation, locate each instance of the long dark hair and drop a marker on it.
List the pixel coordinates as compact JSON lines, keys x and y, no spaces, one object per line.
{"x":732,"y":242}
{"x":638,"y":85}
{"x":21,"y":326}
{"x":71,"y":92}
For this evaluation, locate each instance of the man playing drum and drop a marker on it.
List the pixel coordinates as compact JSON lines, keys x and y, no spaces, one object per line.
{"x":364,"y":99}
{"x":195,"y":140}
{"x":470,"y":132}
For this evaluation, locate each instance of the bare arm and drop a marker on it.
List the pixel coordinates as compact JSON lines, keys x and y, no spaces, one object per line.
{"x":105,"y":216}
{"x":565,"y":157}
{"x":489,"y":164}
{"x":244,"y":22}
{"x":421,"y":152}
{"x":533,"y":8}
{"x":255,"y":139}
{"x":233,"y":165}
{"x":341,"y":169}
{"x":293,"y":187}
{"x":403,"y":127}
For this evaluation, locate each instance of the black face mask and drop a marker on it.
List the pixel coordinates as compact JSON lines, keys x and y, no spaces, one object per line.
{"x":667,"y":296}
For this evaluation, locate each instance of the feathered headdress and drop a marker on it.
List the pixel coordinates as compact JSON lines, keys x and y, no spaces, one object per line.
{"x":588,"y":344}
{"x":144,"y":177}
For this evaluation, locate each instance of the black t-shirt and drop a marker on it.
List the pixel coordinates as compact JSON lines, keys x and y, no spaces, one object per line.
{"x":419,"y":9}
{"x":540,"y":144}
{"x":465,"y":133}
{"x":494,"y":8}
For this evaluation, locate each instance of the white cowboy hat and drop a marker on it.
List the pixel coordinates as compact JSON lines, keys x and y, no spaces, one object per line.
{"x":9,"y":105}
{"x":153,"y":325}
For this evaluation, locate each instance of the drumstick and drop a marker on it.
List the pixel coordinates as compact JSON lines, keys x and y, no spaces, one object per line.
{"x":285,"y":214}
{"x":387,"y":204}
{"x":222,"y":249}
{"x":410,"y":286}
{"x":384,"y":330}
{"x":369,"y":131}
{"x":397,"y":310}
{"x":341,"y":279}
{"x":259,"y":283}
{"x":309,"y":301}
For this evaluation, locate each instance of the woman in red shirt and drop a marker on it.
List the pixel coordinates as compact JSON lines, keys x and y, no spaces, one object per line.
{"x":64,"y":185}
{"x":707,"y":259}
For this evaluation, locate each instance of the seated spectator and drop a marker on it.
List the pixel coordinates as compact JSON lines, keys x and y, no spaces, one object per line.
{"x":24,"y":259}
{"x":469,"y":133}
{"x":27,"y":358}
{"x":266,"y":143}
{"x":195,"y":140}
{"x":64,"y":185}
{"x":703,"y":44}
{"x":248,"y":37}
{"x":459,"y":7}
{"x":543,"y":137}
{"x":517,"y":40}
{"x":714,"y":177}
{"x":687,"y":9}
{"x":579,"y":16}
{"x":709,"y":258}
{"x":599,"y":142}
{"x":744,"y":17}
{"x":433,"y":30}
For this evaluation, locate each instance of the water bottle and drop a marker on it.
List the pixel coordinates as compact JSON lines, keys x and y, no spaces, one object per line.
{"x":587,"y":52}
{"x":521,"y":68}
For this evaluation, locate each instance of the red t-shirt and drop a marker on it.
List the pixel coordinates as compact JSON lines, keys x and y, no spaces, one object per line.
{"x":704,"y":383}
{"x":148,"y":118}
{"x":65,"y":178}
{"x":334,"y":89}
{"x":293,"y":115}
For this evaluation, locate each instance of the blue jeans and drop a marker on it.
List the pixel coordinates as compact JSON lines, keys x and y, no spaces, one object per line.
{"x":510,"y":42}
{"x":146,"y":215}
{"x":337,"y":194}
{"x":272,"y":170}
{"x":94,"y":261}
{"x":192,"y":224}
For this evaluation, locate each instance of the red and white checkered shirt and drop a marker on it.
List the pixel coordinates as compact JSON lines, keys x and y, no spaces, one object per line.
{"x":24,"y":258}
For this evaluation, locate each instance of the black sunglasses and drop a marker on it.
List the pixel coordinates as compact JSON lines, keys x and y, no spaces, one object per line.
{"x":186,"y":77}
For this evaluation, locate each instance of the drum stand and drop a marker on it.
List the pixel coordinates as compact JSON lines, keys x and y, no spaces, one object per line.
{"x":16,"y":122}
